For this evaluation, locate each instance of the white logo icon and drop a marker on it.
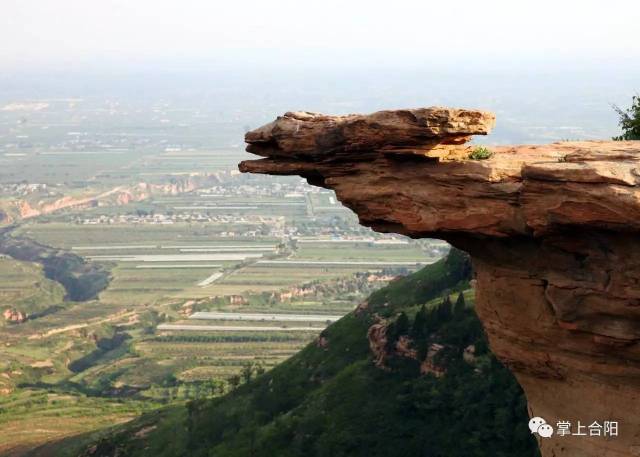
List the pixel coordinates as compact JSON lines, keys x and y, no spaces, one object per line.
{"x":539,"y":425}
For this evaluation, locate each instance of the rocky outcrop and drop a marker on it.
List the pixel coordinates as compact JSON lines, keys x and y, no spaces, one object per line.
{"x":377,"y":336}
{"x":316,"y":136}
{"x":429,"y":364}
{"x":552,"y":230}
{"x":14,"y":316}
{"x":382,"y":351}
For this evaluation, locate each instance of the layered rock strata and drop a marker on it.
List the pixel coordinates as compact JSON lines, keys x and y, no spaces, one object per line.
{"x":553,"y":231}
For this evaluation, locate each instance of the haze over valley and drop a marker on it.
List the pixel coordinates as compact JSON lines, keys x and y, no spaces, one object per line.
{"x":154,"y":300}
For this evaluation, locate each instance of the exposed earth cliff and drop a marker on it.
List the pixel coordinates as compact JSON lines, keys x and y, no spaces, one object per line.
{"x":552,"y":231}
{"x":122,"y":195}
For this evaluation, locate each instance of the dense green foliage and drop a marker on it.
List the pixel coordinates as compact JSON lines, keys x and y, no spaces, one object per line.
{"x":332,"y":400}
{"x":451,"y":273}
{"x":82,"y":280}
{"x":629,"y":120}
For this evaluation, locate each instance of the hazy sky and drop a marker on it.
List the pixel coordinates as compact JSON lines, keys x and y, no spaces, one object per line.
{"x":40,"y":32}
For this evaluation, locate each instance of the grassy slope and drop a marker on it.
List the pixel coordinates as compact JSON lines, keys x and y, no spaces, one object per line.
{"x":31,"y":417}
{"x":332,"y":400}
{"x":24,"y":287}
{"x":82,"y":280}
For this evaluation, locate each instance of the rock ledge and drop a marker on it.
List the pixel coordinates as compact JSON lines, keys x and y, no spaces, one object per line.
{"x":553,"y":231}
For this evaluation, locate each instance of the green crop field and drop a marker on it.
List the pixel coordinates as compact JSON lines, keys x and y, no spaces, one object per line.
{"x":345,"y":251}
{"x":67,"y":235}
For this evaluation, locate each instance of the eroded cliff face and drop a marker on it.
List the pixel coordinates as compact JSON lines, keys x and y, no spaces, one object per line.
{"x":118,"y":196}
{"x":552,"y":230}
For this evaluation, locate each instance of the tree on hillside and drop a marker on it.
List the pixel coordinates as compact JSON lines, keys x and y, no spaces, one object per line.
{"x":419,"y":329}
{"x":460,"y":305}
{"x":402,"y":324}
{"x":246,"y":373}
{"x":234,"y":381}
{"x":444,"y":310}
{"x":629,"y":120}
{"x":396,"y":329}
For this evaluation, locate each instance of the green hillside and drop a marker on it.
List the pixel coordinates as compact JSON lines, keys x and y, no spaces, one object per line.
{"x":24,"y":287}
{"x":332,"y":400}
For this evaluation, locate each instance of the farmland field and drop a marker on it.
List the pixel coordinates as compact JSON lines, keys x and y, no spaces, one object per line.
{"x":34,"y":417}
{"x":155,"y":273}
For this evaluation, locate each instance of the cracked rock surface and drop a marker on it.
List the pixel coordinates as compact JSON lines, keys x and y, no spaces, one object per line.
{"x":553,"y":230}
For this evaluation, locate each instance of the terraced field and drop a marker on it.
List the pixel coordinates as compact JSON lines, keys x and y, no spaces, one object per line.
{"x":218,"y":288}
{"x":33,"y":417}
{"x":198,"y":357}
{"x":158,"y":275}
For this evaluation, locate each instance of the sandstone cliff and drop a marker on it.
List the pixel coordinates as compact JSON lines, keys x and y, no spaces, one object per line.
{"x":552,"y":231}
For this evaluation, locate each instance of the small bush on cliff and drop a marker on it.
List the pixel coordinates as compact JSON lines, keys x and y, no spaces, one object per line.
{"x":629,"y":120}
{"x":480,"y":153}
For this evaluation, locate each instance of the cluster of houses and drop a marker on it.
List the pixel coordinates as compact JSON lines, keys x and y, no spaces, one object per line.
{"x":272,"y":224}
{"x":23,"y":189}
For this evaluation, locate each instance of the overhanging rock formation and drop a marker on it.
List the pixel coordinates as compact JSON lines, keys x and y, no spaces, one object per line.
{"x":553,"y":231}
